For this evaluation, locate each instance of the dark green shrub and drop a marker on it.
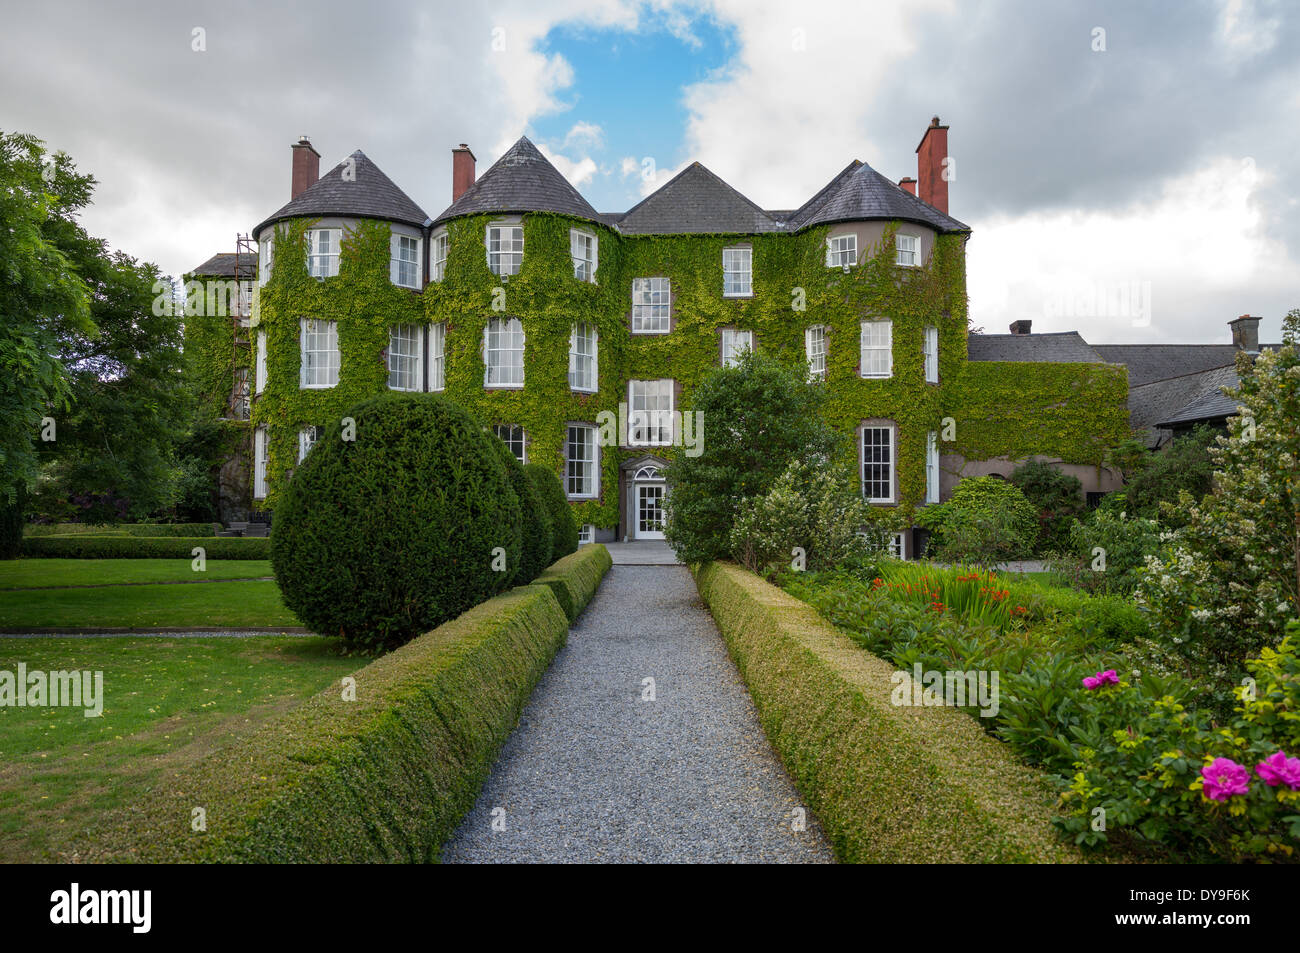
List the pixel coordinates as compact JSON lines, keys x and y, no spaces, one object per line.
{"x":1184,"y":465}
{"x":1108,"y":552}
{"x":987,"y":521}
{"x":11,"y":522}
{"x":759,"y":417}
{"x":538,"y":534}
{"x":564,"y":526}
{"x":1058,"y":499}
{"x":381,"y":538}
{"x":146,"y":547}
{"x":121,"y":529}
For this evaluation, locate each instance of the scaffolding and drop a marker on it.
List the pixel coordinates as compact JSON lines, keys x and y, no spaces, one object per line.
{"x":240,"y":311}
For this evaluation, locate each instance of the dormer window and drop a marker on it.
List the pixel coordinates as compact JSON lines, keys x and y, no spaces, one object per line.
{"x":842,"y":251}
{"x":737,"y":272}
{"x":404,"y":266}
{"x":505,"y":249}
{"x":438,"y":261}
{"x":323,"y":252}
{"x":582,"y":247}
{"x":909,"y":250}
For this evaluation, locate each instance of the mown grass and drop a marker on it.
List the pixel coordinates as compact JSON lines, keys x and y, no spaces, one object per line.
{"x":167,"y":703}
{"x":216,"y":605}
{"x":30,"y":573}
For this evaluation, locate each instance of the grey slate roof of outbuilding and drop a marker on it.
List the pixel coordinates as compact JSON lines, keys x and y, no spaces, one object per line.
{"x":1155,"y":362}
{"x":222,"y":265}
{"x":368,"y":194}
{"x":1184,"y":399}
{"x":522,"y":180}
{"x":859,"y":192}
{"x":695,"y":201}
{"x":1059,"y":347}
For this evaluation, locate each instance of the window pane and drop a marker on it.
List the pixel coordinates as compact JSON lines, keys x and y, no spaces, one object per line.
{"x":513,"y":436}
{"x":651,"y":299}
{"x":877,"y":464}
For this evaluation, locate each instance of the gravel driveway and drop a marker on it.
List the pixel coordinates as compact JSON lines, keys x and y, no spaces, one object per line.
{"x":596,"y":773}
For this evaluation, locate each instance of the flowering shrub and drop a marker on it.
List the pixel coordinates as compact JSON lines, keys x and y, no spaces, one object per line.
{"x":1107,"y":552}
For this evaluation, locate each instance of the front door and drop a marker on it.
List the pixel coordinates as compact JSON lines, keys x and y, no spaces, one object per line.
{"x":648,"y":515}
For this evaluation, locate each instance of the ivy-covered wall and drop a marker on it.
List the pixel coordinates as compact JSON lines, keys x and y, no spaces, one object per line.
{"x":1071,"y":411}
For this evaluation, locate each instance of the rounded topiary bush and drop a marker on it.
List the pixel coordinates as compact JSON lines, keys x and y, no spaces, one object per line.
{"x":381,"y":538}
{"x":538,"y":532}
{"x":565,"y":527}
{"x":986,"y":518}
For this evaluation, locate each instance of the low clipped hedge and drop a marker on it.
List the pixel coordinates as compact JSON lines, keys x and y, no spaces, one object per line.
{"x":384,"y":778}
{"x":145,"y":547}
{"x":121,"y":529}
{"x":575,"y":578}
{"x":890,"y":784}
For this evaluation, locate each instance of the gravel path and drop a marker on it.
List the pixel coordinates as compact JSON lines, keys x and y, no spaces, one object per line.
{"x":594,"y":773}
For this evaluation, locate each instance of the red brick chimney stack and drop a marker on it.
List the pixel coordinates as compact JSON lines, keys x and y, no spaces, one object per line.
{"x":306,"y":167}
{"x":907,"y":184}
{"x":1022,"y":326}
{"x":929,"y":164}
{"x":462,"y":171}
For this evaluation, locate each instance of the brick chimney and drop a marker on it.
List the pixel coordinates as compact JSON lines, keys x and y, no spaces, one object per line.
{"x":929,"y":165}
{"x":907,"y":184}
{"x":1245,"y":333}
{"x":306,"y":167}
{"x":1021,"y":326}
{"x":462,"y":170}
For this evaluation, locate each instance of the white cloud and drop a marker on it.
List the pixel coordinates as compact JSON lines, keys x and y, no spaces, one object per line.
{"x":585,"y":132}
{"x":577,"y":171}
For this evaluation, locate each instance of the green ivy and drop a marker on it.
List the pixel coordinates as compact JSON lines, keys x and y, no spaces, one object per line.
{"x":1073,"y":411}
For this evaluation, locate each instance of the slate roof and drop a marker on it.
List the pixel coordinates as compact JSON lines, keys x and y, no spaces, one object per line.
{"x":1155,"y":362}
{"x":1059,"y":347}
{"x":1155,"y":406}
{"x":371,"y":194}
{"x":860,"y":192}
{"x":522,"y":180}
{"x":695,"y":201}
{"x":222,"y":265}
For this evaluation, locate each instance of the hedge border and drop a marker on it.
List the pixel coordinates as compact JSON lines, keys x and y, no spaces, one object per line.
{"x":890,"y":784}
{"x":387,"y":777}
{"x":575,"y":578}
{"x":146,"y":530}
{"x":145,"y":547}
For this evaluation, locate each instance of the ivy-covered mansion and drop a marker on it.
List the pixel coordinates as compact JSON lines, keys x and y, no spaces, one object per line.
{"x":546,"y":319}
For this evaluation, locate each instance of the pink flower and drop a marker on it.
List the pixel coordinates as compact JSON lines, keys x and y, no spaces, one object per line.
{"x":1224,"y":778}
{"x":1277,"y":769}
{"x":1108,"y":677}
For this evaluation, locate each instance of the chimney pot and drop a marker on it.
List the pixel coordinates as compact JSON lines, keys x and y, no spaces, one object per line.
{"x":907,"y":184}
{"x":462,"y":170}
{"x":1245,"y":333}
{"x":930,"y":156}
{"x":1021,"y":327}
{"x":306,"y":167}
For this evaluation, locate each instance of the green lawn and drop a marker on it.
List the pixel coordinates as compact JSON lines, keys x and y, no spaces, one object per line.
{"x":167,"y":702}
{"x":29,"y":573}
{"x":218,"y":604}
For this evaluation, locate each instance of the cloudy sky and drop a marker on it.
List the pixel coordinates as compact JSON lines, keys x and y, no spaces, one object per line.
{"x":1129,"y":168}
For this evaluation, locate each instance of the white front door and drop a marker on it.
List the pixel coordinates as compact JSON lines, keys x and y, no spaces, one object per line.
{"x":648,"y":510}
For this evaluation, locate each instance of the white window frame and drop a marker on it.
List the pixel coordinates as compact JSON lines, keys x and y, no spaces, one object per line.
{"x":738,"y":261}
{"x":589,"y":476}
{"x":506,"y":247}
{"x":412,"y":335}
{"x":584,"y":368}
{"x":265,"y":251}
{"x":439,"y":245}
{"x":308,"y":438}
{"x":259,"y":364}
{"x":261,"y":460}
{"x":897,"y":548}
{"x":510,"y":326}
{"x":870,"y":368}
{"x":907,"y":250}
{"x":816,"y":357}
{"x":323,"y":264}
{"x":509,"y":439}
{"x":308,"y":330}
{"x":240,"y":399}
{"x":892,"y":463}
{"x":734,"y":341}
{"x":584,"y":249}
{"x":586,"y":534}
{"x":932,"y":467}
{"x":659,"y":425}
{"x":410,"y":264}
{"x":930,"y":348}
{"x":438,"y":356}
{"x":647,"y":302}
{"x":842,"y":251}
